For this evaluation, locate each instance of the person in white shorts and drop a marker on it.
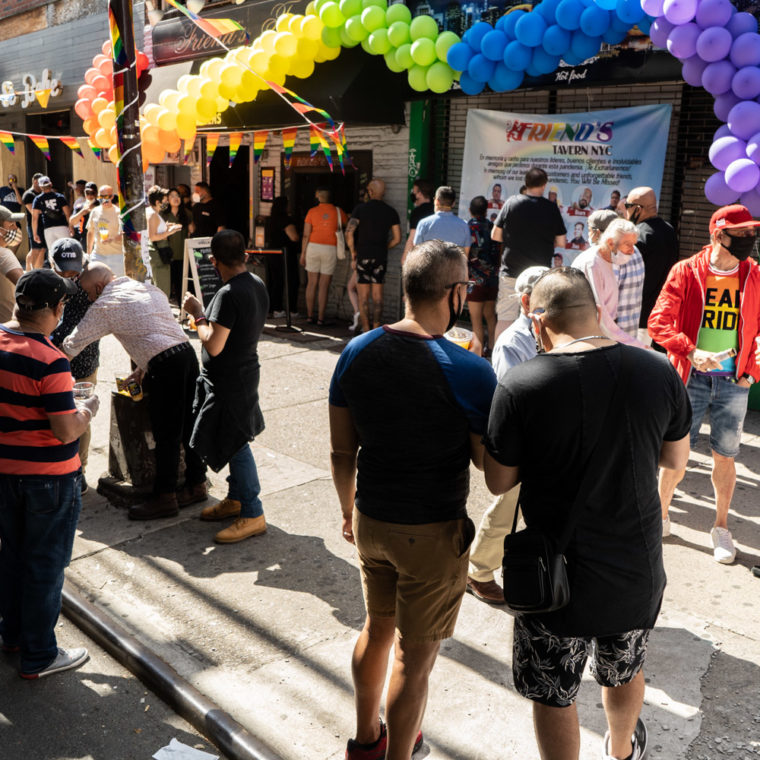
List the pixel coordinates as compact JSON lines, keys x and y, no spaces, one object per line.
{"x":104,"y":233}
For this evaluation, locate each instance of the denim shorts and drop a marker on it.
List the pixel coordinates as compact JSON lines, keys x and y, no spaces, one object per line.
{"x":727,"y":404}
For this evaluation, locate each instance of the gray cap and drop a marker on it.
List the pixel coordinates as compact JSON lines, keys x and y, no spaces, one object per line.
{"x":6,"y":215}
{"x":527,"y":279}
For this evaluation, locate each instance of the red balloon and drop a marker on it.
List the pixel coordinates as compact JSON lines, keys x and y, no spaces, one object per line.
{"x":90,"y":74}
{"x":142,"y":62}
{"x":106,"y":68}
{"x":107,"y":48}
{"x":100,"y":83}
{"x":83,"y":109}
{"x":87,"y":92}
{"x":98,"y":59}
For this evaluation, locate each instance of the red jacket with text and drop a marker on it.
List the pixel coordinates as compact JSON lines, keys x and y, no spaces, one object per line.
{"x":677,"y":316}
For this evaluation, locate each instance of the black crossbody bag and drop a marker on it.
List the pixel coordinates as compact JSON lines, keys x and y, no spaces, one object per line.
{"x":534,"y":564}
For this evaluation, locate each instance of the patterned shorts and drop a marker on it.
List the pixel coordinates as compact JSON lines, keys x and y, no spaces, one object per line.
{"x":370,"y":271}
{"x":548,"y":668}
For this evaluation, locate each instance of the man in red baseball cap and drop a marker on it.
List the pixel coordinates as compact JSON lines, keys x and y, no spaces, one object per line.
{"x":706,"y":317}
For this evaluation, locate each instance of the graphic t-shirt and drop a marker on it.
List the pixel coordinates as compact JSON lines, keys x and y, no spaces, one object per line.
{"x":720,"y":322}
{"x":51,"y":206}
{"x":8,"y":198}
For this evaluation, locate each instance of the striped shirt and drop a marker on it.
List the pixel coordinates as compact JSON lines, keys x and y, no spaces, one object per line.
{"x":630,"y":277}
{"x":35,"y":383}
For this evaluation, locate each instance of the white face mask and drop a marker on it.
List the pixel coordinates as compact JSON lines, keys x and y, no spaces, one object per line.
{"x":619,"y":259}
{"x":196,"y":198}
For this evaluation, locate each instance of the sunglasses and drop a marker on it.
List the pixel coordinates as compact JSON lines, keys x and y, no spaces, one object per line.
{"x":105,"y":198}
{"x":633,"y":205}
{"x":469,"y":283}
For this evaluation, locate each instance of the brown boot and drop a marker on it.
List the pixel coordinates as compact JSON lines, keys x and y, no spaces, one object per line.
{"x":192,"y":495}
{"x":243,"y":527}
{"x":161,"y":505}
{"x":221,"y":510}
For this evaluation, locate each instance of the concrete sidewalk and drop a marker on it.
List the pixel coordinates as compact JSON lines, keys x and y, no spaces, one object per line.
{"x":266,"y":627}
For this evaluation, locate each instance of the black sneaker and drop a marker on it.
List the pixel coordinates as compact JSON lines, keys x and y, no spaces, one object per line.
{"x":84,"y":488}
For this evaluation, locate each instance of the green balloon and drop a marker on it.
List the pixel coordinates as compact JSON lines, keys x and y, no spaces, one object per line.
{"x":379,"y":43}
{"x":418,"y":78}
{"x":319,"y":3}
{"x":331,"y":15}
{"x":443,"y":43}
{"x":379,"y":3}
{"x":404,"y":56}
{"x":355,"y":29}
{"x":350,"y":7}
{"x":423,"y":26}
{"x":423,"y":52}
{"x":440,"y":77}
{"x":373,"y":18}
{"x":398,"y":33}
{"x":331,"y":37}
{"x":397,"y":12}
{"x":391,"y":63}
{"x":366,"y":47}
{"x":345,"y":40}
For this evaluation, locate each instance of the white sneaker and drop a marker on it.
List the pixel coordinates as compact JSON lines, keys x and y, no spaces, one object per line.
{"x":638,"y":743}
{"x":67,"y":659}
{"x":724,"y":550}
{"x":353,"y":325}
{"x":666,"y":527}
{"x":278,"y":314}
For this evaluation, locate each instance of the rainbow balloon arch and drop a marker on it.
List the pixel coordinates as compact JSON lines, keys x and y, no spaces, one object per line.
{"x":718,"y":46}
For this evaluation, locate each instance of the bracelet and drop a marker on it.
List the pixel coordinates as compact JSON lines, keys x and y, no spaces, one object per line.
{"x":200,"y":319}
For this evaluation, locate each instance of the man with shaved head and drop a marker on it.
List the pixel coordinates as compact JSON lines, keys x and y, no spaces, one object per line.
{"x":104,"y":233}
{"x":557,"y":407}
{"x":373,"y":229}
{"x":658,"y":246}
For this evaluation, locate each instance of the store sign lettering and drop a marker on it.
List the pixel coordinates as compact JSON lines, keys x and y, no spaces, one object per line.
{"x":24,"y":95}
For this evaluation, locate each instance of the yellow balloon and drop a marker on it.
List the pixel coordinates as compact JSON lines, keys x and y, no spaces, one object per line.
{"x":259,"y":61}
{"x":282,"y":22}
{"x":249,"y":83}
{"x":163,"y":95}
{"x":101,"y":138}
{"x":227,"y":93}
{"x":330,"y":53}
{"x":98,"y":105}
{"x":209,"y":89}
{"x":222,"y":104}
{"x":311,"y":28}
{"x":151,"y":112}
{"x":186,"y":105}
{"x":231,"y":74}
{"x":167,"y":120}
{"x":186,"y":126}
{"x":183,"y":82}
{"x":294,"y":25}
{"x":211,"y":68}
{"x":285,"y":44}
{"x":238,"y":55}
{"x":303,"y":69}
{"x":113,"y":154}
{"x":245,"y":94}
{"x":189,"y":139}
{"x":205,"y":109}
{"x":307,"y":49}
{"x":194,"y":86}
{"x":171,"y":100}
{"x":278,"y":66}
{"x":106,"y":118}
{"x":266,"y":39}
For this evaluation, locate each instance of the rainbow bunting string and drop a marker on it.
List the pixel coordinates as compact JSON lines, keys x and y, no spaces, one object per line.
{"x":73,"y":143}
{"x":313,"y":140}
{"x":6,"y":138}
{"x":288,"y":142}
{"x":215,"y":27}
{"x":212,"y":140}
{"x":259,"y":141}
{"x":325,"y":147}
{"x":97,"y":150}
{"x":235,"y":139}
{"x":42,"y":143}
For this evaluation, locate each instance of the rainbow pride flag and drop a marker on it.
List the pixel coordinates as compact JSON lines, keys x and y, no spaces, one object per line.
{"x":235,"y":139}
{"x":42,"y":143}
{"x":6,"y":138}
{"x":212,"y":140}
{"x":325,"y":147}
{"x":215,"y":27}
{"x":259,"y":141}
{"x":288,"y":142}
{"x":98,"y":151}
{"x":117,"y":43}
{"x":73,"y":143}
{"x":313,"y":140}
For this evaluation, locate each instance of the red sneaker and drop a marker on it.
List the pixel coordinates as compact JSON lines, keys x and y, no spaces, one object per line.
{"x":376,"y":750}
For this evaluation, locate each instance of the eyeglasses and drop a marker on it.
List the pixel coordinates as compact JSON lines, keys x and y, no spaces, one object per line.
{"x":105,"y":198}
{"x":633,"y":205}
{"x":469,"y":283}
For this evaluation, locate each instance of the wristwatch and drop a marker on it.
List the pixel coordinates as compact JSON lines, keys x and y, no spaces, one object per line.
{"x":748,"y":378}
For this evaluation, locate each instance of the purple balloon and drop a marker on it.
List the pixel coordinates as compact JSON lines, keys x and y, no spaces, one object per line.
{"x":682,"y":41}
{"x":722,"y":107}
{"x":660,"y":31}
{"x":746,"y":83}
{"x":653,"y":8}
{"x":692,"y":70}
{"x":744,"y":119}
{"x":722,"y":131}
{"x":714,"y":13}
{"x":725,"y":151}
{"x":718,"y":192}
{"x":753,"y":148}
{"x":741,"y":23}
{"x":717,"y":77}
{"x":714,"y":44}
{"x":746,"y":50}
{"x":679,"y":11}
{"x":751,"y":200}
{"x":742,"y":175}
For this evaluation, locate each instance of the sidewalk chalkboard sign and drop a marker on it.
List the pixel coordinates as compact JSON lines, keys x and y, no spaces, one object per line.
{"x":198,"y":271}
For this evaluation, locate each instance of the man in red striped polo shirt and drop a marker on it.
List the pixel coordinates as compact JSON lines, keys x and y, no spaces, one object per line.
{"x":40,"y":473}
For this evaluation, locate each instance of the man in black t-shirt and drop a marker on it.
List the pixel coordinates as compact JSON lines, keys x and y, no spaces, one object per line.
{"x":531,"y":227}
{"x":11,"y":195}
{"x":208,"y":214}
{"x":373,"y":229}
{"x":229,"y":416}
{"x":50,"y":216}
{"x":422,"y":197}
{"x":558,"y":404}
{"x":36,"y":250}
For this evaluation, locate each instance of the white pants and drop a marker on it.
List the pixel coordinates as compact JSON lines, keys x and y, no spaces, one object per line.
{"x":487,"y":549}
{"x":52,"y":234}
{"x":115,"y":261}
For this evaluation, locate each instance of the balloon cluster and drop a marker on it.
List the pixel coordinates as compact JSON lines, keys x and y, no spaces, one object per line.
{"x":411,"y":45}
{"x":720,"y":51}
{"x":533,"y":42}
{"x":95,"y":105}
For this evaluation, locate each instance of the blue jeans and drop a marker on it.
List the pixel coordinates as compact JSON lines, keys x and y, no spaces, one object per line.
{"x":727,"y":404}
{"x":244,"y":483}
{"x":38,"y":519}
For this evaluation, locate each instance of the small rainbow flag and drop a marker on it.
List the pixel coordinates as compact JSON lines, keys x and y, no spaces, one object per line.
{"x":259,"y":141}
{"x":117,"y":44}
{"x":212,"y":140}
{"x":214,"y":27}
{"x":288,"y":141}
{"x":95,"y":149}
{"x":325,"y":148}
{"x":235,"y":139}
{"x":6,"y":138}
{"x":42,"y":143}
{"x":43,"y":97}
{"x":73,"y":143}
{"x":313,"y":140}
{"x":339,"y":148}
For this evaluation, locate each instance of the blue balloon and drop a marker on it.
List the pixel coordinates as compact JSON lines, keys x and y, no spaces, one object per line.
{"x":584,"y":46}
{"x":617,"y":23}
{"x":469,"y":85}
{"x":548,"y":9}
{"x":459,"y":56}
{"x":500,"y":23}
{"x":530,"y":29}
{"x":569,"y":14}
{"x":517,"y":56}
{"x":493,"y":45}
{"x":504,"y":79}
{"x":474,"y":35}
{"x":613,"y":36}
{"x":556,"y":40}
{"x":607,"y":5}
{"x":630,"y":11}
{"x":480,"y":68}
{"x":595,"y":21}
{"x":644,"y":25}
{"x":571,"y":59}
{"x":511,"y":22}
{"x":544,"y":62}
{"x":532,"y":71}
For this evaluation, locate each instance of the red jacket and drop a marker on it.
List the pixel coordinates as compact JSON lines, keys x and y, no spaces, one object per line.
{"x":677,"y":316}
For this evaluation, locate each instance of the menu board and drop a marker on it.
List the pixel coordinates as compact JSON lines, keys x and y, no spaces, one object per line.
{"x":197,"y":252}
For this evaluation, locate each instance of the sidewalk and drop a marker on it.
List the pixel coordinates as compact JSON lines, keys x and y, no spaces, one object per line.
{"x":266,"y":627}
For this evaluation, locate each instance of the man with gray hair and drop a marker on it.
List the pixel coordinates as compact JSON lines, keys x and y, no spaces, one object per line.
{"x":406,"y":383}
{"x":615,"y":248}
{"x":444,"y":224}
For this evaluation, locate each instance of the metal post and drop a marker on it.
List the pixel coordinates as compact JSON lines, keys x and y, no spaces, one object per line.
{"x":129,"y":168}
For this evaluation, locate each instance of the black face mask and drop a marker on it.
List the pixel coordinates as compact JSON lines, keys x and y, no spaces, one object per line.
{"x":741,"y":247}
{"x":454,"y":315}
{"x":635,"y":216}
{"x":412,"y":197}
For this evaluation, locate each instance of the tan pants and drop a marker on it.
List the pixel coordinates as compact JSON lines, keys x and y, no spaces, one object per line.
{"x":84,"y":439}
{"x":488,"y":547}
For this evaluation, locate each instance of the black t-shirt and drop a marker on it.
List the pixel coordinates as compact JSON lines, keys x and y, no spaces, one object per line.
{"x":207,"y":218}
{"x":659,"y":249}
{"x":51,"y":206}
{"x":529,"y":225}
{"x":420,"y":212}
{"x":546,"y":414}
{"x":240,"y":305}
{"x":28,"y":198}
{"x":279,"y":239}
{"x":9,"y":200}
{"x":375,"y":221}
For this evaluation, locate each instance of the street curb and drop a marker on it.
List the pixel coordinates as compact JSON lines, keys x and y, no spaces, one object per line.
{"x":205,"y":716}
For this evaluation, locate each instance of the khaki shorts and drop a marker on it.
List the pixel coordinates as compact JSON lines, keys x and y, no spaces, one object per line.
{"x":508,"y":302}
{"x":415,"y":573}
{"x":321,"y":258}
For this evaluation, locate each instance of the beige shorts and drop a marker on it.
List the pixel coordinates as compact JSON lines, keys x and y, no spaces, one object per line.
{"x":415,"y":573}
{"x":321,"y":258}
{"x":508,"y":302}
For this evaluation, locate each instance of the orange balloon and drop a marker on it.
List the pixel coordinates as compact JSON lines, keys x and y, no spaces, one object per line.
{"x":152,"y":152}
{"x":98,"y":105}
{"x":150,"y":134}
{"x":90,"y":125}
{"x":169,"y":141}
{"x":106,"y":48}
{"x":101,"y":138}
{"x":113,"y":154}
{"x":113,"y":135}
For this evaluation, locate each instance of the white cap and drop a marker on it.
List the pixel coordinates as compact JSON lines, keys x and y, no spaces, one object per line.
{"x":527,"y":279}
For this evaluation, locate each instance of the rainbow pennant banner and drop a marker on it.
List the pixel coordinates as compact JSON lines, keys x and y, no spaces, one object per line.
{"x":259,"y":141}
{"x":338,"y":148}
{"x":98,"y":151}
{"x":325,"y":147}
{"x":288,"y":142}
{"x":215,"y":27}
{"x":313,"y":140}
{"x":212,"y":140}
{"x":73,"y":143}
{"x":42,"y":143}
{"x":187,"y":151}
{"x":235,"y":139}
{"x":6,"y":138}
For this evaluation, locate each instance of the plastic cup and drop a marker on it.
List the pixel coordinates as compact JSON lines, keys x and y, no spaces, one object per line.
{"x":459,"y":335}
{"x":84,"y":390}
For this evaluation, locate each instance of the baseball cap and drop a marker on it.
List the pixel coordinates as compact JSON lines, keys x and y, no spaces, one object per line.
{"x":92,"y":187}
{"x":80,"y":182}
{"x":6,"y":215}
{"x":67,"y":255}
{"x":527,"y":279}
{"x":732,"y":217}
{"x":44,"y":180}
{"x":42,"y":289}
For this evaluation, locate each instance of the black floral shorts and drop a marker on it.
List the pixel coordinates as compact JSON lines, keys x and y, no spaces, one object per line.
{"x":370,"y":271}
{"x":548,"y":668}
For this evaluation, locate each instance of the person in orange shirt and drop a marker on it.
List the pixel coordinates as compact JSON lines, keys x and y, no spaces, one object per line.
{"x":319,"y":252}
